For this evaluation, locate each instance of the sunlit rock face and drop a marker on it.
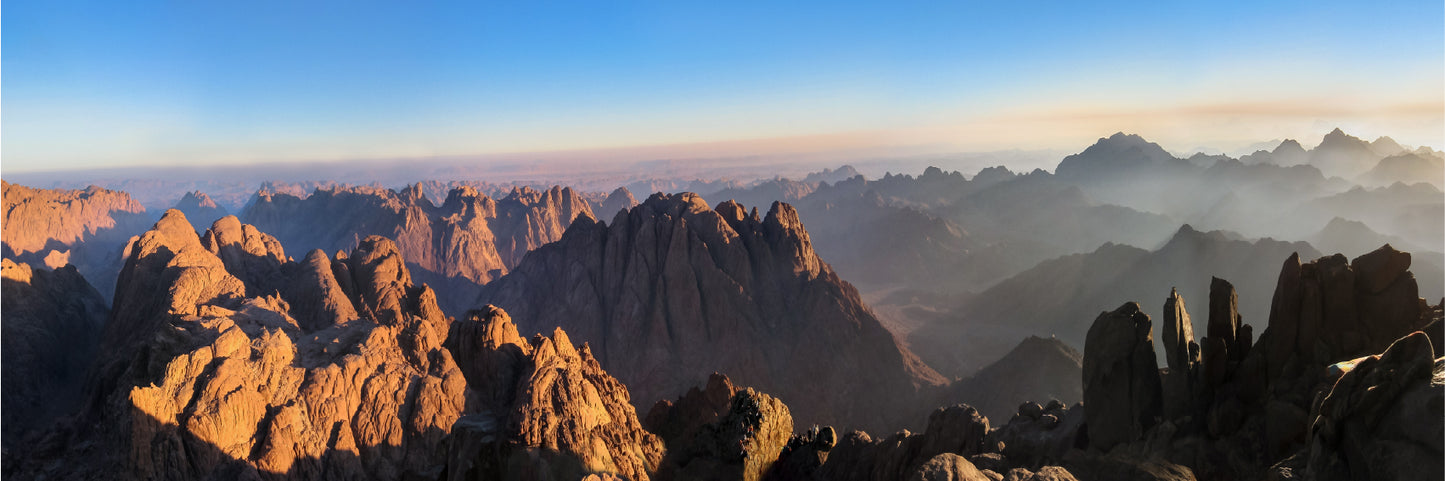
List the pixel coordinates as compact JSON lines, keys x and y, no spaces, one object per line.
{"x":85,"y":228}
{"x":672,"y":291}
{"x":223,"y":356}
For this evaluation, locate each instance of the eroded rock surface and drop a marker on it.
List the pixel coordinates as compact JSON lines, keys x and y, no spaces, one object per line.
{"x":85,"y":228}
{"x":551,"y":412}
{"x":672,"y":291}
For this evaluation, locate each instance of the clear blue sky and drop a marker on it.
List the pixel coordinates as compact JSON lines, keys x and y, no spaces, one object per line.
{"x":90,"y":84}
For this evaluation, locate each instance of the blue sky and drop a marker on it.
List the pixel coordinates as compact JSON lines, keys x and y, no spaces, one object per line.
{"x":103,"y":84}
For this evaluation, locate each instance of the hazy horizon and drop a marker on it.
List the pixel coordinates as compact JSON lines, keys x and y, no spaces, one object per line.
{"x":105,"y":86}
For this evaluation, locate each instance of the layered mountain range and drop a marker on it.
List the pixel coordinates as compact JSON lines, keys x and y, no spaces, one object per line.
{"x":461,"y":329}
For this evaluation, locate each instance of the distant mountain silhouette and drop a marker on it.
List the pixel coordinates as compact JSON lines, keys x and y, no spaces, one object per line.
{"x":1408,"y":167}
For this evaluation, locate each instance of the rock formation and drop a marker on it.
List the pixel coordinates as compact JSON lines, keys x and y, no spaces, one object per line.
{"x":951,"y":467}
{"x":87,"y":228}
{"x":956,"y":429}
{"x":1181,"y":354}
{"x":1378,"y":421}
{"x":51,"y":330}
{"x":205,"y":372}
{"x":552,"y":412}
{"x":1122,"y":391}
{"x":619,"y":200}
{"x":1300,"y":403}
{"x":673,"y":291}
{"x":743,"y":443}
{"x":36,"y":218}
{"x":469,"y":239}
{"x":1098,"y":280}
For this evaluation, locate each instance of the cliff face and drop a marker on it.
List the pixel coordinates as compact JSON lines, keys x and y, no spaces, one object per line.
{"x":224,"y":358}
{"x":553,"y":412}
{"x":86,"y":228}
{"x":469,"y":239}
{"x":673,"y":291}
{"x":51,"y":330}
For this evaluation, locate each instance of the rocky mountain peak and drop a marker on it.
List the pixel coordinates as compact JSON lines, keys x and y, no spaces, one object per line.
{"x":673,"y":291}
{"x":619,"y":200}
{"x":197,"y":199}
{"x":1289,"y":147}
{"x":1117,"y":154}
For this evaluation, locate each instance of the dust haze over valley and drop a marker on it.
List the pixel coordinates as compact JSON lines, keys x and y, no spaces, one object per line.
{"x":974,"y":288}
{"x":754,"y":242}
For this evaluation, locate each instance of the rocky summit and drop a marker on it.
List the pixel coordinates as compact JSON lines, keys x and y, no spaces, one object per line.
{"x":207,"y":370}
{"x":672,"y":291}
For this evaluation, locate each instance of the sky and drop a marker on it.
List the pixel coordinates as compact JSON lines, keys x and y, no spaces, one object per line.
{"x":115,"y":84}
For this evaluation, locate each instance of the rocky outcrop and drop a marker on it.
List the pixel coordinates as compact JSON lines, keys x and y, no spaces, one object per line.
{"x":1037,"y":435}
{"x":200,"y":209}
{"x":1181,"y":354}
{"x":957,"y":429}
{"x":51,"y":330}
{"x":1332,"y":309}
{"x":1300,"y":403}
{"x":205,"y":373}
{"x":198,"y":378}
{"x":672,"y":291}
{"x":551,"y":412}
{"x":677,"y":421}
{"x":1038,"y":369}
{"x":87,"y":228}
{"x":743,"y":443}
{"x":1380,"y":420}
{"x":952,"y":467}
{"x":469,"y":239}
{"x":36,"y":219}
{"x":1122,"y":390}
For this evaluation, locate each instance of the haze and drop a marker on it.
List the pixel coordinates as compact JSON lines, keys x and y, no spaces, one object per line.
{"x":93,"y":85}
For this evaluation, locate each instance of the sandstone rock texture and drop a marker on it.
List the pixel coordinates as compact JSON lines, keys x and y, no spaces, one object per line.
{"x":951,"y":467}
{"x":88,"y":228}
{"x":51,"y":330}
{"x":205,"y":372}
{"x":551,"y":412}
{"x":672,"y":291}
{"x":469,"y":239}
